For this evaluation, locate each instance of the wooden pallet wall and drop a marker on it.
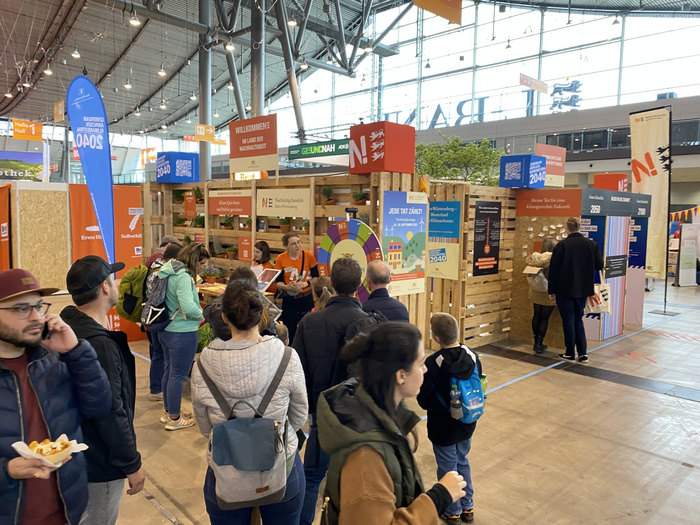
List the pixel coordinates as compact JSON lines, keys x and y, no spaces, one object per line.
{"x":481,"y":304}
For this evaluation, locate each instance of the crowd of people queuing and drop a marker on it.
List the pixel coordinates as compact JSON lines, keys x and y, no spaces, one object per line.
{"x":350,"y":387}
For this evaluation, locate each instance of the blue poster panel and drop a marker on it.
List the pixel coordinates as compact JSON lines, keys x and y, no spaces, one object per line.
{"x":444,"y":224}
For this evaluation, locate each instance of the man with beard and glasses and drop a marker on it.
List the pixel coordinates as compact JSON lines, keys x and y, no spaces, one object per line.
{"x":112,"y":455}
{"x":45,"y":387}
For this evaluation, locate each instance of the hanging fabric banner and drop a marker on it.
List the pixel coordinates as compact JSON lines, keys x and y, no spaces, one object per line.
{"x":88,"y":121}
{"x":651,"y":168}
{"x":5,"y":245}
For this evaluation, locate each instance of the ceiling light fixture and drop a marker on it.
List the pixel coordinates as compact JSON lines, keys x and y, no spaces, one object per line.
{"x":161,"y":71}
{"x":127,"y":84}
{"x":75,"y":54}
{"x":134,"y":20}
{"x":292,"y":22}
{"x":216,"y":113}
{"x":162,"y":104}
{"x":427,"y":64}
{"x":48,"y":71}
{"x":508,"y":46}
{"x":137,"y":112}
{"x":230,"y":86}
{"x":368,"y":49}
{"x":616,"y":22}
{"x":27,"y":81}
{"x":193,"y":96}
{"x":9,"y":94}
{"x":188,"y":120}
{"x":248,"y":107}
{"x":303,"y":66}
{"x":229,"y":46}
{"x":164,"y":126}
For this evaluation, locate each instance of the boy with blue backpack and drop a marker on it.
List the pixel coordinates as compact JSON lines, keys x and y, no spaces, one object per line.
{"x":453,"y":396}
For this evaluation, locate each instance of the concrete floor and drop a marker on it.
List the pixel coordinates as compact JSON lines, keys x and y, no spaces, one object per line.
{"x":613,"y":441}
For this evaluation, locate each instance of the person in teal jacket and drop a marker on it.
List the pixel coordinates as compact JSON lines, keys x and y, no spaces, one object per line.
{"x":179,"y":338}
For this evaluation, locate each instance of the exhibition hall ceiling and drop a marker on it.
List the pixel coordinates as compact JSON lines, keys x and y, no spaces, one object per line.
{"x":148,"y":73}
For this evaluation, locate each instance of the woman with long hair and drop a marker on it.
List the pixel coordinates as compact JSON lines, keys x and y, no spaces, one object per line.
{"x":179,"y":338}
{"x":363,"y":423}
{"x":242,"y":369}
{"x":322,"y":292}
{"x":261,"y":257}
{"x":542,"y":304}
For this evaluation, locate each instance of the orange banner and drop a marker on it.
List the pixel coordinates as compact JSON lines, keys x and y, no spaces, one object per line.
{"x":5,"y":246}
{"x":59,"y":111}
{"x":26,"y":130}
{"x":451,"y":11}
{"x":245,"y":249}
{"x":190,"y":206}
{"x":127,"y":225}
{"x":132,"y":330}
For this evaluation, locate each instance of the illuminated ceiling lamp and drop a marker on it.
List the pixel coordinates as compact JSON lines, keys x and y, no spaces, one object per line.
{"x":27,"y":81}
{"x":230,"y":86}
{"x":427,"y":64}
{"x":229,"y":46}
{"x":161,"y":71}
{"x":127,"y":84}
{"x":163,"y":105}
{"x":216,"y":113}
{"x":188,"y":120}
{"x":303,"y":66}
{"x":9,"y":94}
{"x":248,"y":107}
{"x":292,"y":22}
{"x":193,"y":96}
{"x":134,"y":20}
{"x":75,"y":54}
{"x":48,"y":71}
{"x":137,"y":112}
{"x":368,"y":48}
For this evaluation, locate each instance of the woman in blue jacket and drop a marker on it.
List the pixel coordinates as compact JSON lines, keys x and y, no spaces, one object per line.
{"x":179,"y":338}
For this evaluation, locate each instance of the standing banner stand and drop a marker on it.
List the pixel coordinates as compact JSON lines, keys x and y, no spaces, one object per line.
{"x":5,"y":238}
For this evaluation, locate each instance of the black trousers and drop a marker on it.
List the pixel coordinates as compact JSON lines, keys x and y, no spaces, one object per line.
{"x":293,"y":309}
{"x":540,"y":319}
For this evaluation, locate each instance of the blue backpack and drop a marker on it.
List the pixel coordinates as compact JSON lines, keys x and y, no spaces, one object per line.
{"x":471,"y":392}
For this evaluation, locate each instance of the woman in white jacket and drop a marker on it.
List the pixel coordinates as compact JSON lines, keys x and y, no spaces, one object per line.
{"x":243,"y":368}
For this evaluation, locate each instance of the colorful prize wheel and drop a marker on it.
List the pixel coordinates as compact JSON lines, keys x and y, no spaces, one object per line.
{"x":349,"y":238}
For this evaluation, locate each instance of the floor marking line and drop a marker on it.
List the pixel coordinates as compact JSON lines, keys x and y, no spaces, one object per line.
{"x":165,"y":512}
{"x":564,"y":361}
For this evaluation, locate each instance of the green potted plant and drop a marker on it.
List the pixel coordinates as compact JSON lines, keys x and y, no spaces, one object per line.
{"x":228,"y":222}
{"x":187,"y":240}
{"x":327,"y":193}
{"x":178,"y":196}
{"x":285,"y":224}
{"x":306,"y":226}
{"x":180,"y":221}
{"x":198,"y":195}
{"x":210,"y":274}
{"x":359,"y":198}
{"x":199,"y":221}
{"x":248,"y":225}
{"x":232,"y":252}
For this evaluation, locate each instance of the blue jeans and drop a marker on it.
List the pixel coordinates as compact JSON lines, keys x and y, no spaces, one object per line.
{"x":571,"y":311}
{"x":155,"y":352}
{"x":454,"y":457}
{"x":286,"y":512}
{"x":316,"y":463}
{"x":179,"y":349}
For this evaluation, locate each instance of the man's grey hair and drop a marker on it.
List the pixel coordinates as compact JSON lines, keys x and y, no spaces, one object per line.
{"x":379,"y":272}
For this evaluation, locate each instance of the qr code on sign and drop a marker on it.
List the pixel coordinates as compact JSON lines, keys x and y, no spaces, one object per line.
{"x":183,"y":168}
{"x":512,"y":170}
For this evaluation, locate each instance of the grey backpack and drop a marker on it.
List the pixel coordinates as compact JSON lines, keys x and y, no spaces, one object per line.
{"x":248,"y":455}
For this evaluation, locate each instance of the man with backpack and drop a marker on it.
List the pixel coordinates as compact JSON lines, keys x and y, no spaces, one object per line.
{"x":318,"y":340}
{"x":450,"y":435}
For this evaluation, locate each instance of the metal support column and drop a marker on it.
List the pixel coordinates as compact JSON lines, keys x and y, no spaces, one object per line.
{"x":289,"y":66}
{"x":539,"y":56}
{"x":204,"y":89}
{"x":65,"y":158}
{"x":240,"y":106}
{"x":419,"y":56}
{"x":257,"y":58}
{"x":622,"y":58}
{"x":474,"y":66}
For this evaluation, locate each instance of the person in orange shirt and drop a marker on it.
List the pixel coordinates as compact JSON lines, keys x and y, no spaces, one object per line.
{"x":261,"y":257}
{"x":298,"y":268}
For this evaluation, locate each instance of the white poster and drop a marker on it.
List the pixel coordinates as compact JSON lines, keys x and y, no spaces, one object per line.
{"x":651,"y":166}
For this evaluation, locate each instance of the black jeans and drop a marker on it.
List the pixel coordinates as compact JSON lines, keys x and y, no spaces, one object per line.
{"x":293,"y":309}
{"x":540,"y":319}
{"x":571,"y":311}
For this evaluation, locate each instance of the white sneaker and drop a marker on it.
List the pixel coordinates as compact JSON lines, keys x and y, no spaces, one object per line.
{"x":181,"y":422}
{"x":165,"y":417}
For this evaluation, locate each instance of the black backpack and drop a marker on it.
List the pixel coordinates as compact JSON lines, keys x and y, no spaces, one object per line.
{"x":154,"y":316}
{"x":364,"y":324}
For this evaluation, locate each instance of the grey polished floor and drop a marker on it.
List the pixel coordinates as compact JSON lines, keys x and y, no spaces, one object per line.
{"x":613,"y":441}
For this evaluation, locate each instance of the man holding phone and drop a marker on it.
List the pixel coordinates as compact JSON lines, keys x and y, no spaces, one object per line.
{"x":45,"y":387}
{"x":112,"y":455}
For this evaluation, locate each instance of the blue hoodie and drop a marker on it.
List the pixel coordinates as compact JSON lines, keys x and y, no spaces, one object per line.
{"x":182,"y":296}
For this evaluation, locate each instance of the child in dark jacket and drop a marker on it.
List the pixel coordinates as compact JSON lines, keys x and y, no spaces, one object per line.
{"x":450,"y":437}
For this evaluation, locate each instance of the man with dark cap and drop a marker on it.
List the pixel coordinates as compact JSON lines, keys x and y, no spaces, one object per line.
{"x":112,"y":455}
{"x":46,"y":385}
{"x":166,"y":241}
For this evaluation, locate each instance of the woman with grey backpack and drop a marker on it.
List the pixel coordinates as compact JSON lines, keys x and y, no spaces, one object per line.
{"x":543,"y":306}
{"x":249,"y":399}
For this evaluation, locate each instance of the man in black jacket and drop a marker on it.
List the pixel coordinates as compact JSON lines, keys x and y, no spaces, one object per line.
{"x":378,"y":278}
{"x":318,"y":340}
{"x":112,"y":455}
{"x":571,"y":280}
